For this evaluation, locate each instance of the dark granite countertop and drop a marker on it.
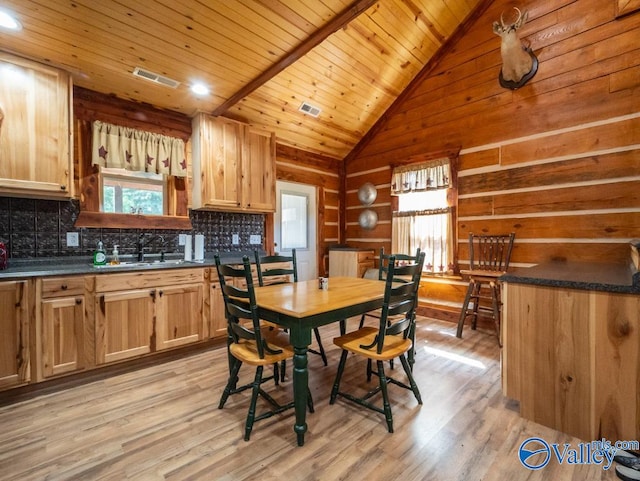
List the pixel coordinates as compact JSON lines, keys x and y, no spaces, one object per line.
{"x":622,"y":278}
{"x":82,"y":265}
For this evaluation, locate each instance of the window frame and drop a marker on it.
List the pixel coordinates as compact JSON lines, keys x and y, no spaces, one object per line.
{"x":133,"y":177}
{"x":452,"y":197}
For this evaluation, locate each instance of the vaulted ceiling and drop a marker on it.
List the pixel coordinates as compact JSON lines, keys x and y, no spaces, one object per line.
{"x":261,"y":59}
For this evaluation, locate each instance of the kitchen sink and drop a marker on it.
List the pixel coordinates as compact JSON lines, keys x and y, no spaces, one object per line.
{"x":156,"y":263}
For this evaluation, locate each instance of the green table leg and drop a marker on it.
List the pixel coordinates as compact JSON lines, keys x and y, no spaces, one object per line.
{"x":300,"y":338}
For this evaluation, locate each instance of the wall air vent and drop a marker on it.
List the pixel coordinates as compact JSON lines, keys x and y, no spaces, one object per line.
{"x":155,"y":78}
{"x":307,"y":108}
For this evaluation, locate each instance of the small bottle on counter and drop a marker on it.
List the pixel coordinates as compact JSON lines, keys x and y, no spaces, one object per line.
{"x":99,"y":256}
{"x":115,"y":260}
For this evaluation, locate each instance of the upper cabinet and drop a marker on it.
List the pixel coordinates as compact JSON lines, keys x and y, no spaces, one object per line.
{"x":35,"y":130}
{"x":233,"y":166}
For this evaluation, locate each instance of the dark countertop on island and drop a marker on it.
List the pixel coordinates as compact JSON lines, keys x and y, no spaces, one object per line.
{"x":621,"y":278}
{"x":82,"y":265}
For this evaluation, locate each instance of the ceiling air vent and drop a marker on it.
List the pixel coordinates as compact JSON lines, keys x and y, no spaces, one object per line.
{"x":307,"y":108}
{"x":155,"y":78}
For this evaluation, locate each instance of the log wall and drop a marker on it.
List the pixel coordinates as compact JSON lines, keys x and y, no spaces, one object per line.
{"x":556,"y":161}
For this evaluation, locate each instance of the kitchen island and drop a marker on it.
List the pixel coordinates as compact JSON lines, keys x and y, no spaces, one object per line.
{"x":571,"y":354}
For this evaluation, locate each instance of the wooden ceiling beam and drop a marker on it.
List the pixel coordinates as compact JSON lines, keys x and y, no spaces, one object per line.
{"x":316,"y":38}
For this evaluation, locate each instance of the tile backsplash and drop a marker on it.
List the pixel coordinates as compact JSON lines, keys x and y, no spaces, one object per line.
{"x":38,"y":228}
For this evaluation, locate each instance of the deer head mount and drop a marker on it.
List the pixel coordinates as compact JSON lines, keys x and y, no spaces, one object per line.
{"x":519,"y":63}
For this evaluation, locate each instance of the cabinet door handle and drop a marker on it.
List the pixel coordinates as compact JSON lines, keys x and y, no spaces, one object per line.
{"x":78,"y":301}
{"x":160,"y":293}
{"x":64,"y":287}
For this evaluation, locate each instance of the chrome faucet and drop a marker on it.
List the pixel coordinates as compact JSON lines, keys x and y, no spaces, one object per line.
{"x":142,"y":244}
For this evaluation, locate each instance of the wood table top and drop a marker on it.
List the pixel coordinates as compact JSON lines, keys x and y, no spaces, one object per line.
{"x":304,"y":299}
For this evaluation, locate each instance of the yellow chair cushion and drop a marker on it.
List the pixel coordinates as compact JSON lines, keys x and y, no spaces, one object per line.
{"x":393,"y":345}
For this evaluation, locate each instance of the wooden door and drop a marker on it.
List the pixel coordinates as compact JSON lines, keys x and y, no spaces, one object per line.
{"x":217,"y":318}
{"x":179,"y":315}
{"x":124,"y":324}
{"x":258,"y":163}
{"x":35,"y":129}
{"x":63,"y":326}
{"x":14,"y":341}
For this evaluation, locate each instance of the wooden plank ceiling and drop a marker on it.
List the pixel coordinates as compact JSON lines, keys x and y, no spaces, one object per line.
{"x":260,"y":58}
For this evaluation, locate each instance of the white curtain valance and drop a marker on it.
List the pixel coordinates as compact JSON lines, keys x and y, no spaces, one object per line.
{"x":435,"y":174}
{"x":136,"y":150}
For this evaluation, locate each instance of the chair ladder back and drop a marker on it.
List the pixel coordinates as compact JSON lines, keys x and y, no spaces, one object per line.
{"x":490,"y":252}
{"x":262,"y":263}
{"x":240,"y":303}
{"x":400,"y":259}
{"x":399,"y":299}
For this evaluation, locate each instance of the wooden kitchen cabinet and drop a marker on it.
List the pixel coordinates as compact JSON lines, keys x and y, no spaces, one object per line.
{"x":570,"y":357}
{"x":350,"y":262}
{"x":215,"y":307}
{"x":61,"y":327}
{"x":35,"y":129}
{"x":179,"y":315}
{"x":155,"y":310}
{"x":259,"y":174}
{"x":14,"y":342}
{"x":233,"y":166}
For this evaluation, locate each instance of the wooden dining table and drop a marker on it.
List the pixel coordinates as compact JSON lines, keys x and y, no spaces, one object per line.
{"x":302,"y":306}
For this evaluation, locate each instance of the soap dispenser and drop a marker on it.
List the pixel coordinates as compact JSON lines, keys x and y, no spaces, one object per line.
{"x":115,"y":260}
{"x":99,"y":256}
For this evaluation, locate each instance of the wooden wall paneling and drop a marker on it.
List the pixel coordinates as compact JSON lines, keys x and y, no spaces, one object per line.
{"x":610,"y":195}
{"x":293,"y":173}
{"x":614,"y":195}
{"x":580,"y":141}
{"x":536,"y":251}
{"x":626,"y":79}
{"x":585,"y":168}
{"x":90,"y":105}
{"x":331,"y":214}
{"x":482,"y":158}
{"x":355,"y":233}
{"x":476,"y":206}
{"x":588,"y":226}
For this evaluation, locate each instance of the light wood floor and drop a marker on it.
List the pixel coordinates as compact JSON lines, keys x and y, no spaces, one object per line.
{"x":163,"y":422}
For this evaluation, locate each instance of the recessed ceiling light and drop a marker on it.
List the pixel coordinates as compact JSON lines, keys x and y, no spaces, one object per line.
{"x":200,"y":89}
{"x":9,"y":21}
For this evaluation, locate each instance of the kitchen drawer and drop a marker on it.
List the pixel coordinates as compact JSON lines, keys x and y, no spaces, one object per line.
{"x":62,"y":286}
{"x":148,"y":279}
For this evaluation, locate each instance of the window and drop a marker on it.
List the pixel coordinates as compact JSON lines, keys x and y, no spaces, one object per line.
{"x":424,"y":218}
{"x":132,"y":192}
{"x":293,"y":226}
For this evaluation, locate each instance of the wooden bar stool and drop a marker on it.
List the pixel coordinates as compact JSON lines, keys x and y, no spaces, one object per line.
{"x":489,"y":257}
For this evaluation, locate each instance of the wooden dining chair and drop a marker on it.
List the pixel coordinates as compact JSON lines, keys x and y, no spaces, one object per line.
{"x":392,"y":338}
{"x":383,"y":269}
{"x":489,"y":257}
{"x":250,"y":344}
{"x":278,"y":269}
